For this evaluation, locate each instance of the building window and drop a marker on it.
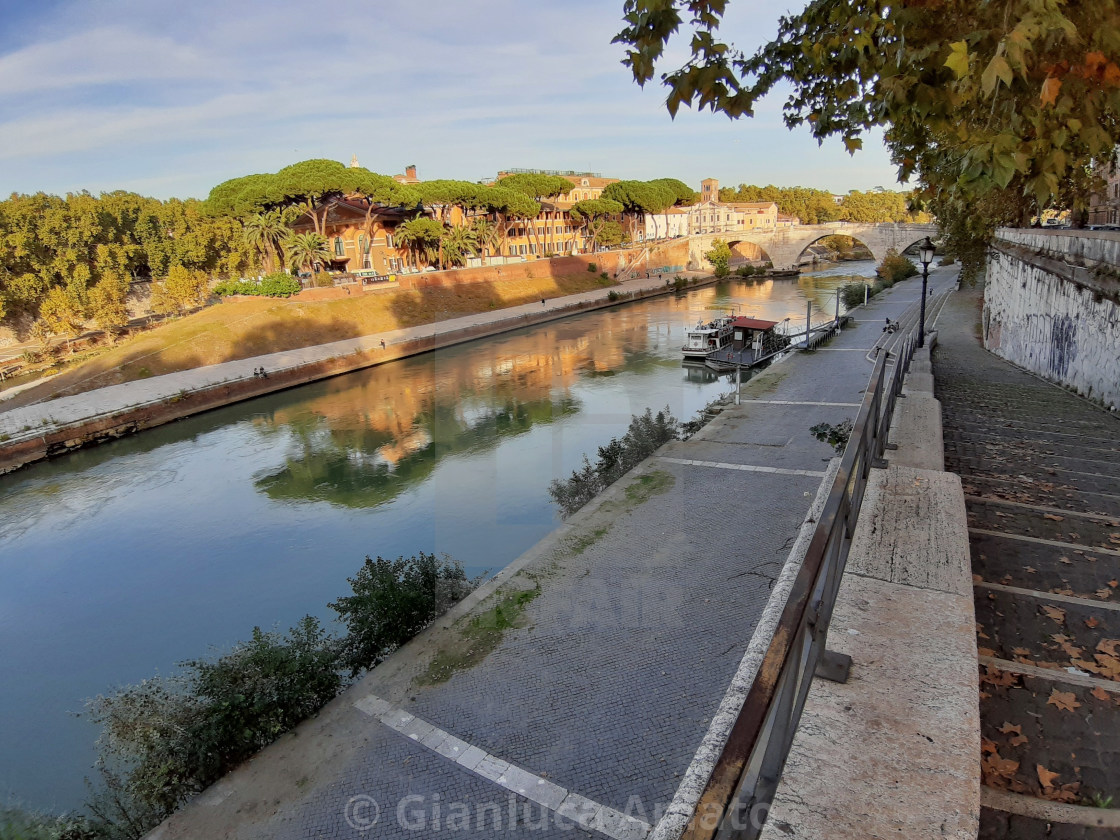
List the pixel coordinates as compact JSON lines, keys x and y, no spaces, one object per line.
{"x":389,"y":240}
{"x":513,"y":250}
{"x":532,"y":249}
{"x":339,"y":248}
{"x":363,"y":244}
{"x":522,"y":250}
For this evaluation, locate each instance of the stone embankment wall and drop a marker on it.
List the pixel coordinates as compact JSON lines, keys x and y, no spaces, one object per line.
{"x":1052,"y":306}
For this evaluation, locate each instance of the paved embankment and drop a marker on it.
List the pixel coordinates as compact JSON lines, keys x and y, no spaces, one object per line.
{"x":597,"y":711}
{"x":45,"y":429}
{"x":1041,"y":470}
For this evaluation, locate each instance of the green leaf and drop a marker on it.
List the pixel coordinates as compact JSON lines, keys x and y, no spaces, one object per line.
{"x":958,"y":59}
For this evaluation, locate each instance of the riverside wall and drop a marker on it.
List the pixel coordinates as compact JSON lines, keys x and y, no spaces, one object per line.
{"x":1052,"y":306}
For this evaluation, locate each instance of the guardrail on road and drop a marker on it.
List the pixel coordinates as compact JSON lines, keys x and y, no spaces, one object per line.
{"x":743,"y":782}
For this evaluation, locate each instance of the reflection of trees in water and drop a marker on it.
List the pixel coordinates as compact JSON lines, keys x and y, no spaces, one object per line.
{"x":349,"y":467}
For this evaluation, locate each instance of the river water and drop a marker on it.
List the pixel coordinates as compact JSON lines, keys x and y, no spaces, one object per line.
{"x":120,"y":561}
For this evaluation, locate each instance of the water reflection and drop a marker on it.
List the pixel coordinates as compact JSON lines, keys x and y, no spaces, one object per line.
{"x":367,"y":467}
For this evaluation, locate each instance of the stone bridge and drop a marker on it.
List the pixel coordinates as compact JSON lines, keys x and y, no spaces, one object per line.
{"x":785,"y":247}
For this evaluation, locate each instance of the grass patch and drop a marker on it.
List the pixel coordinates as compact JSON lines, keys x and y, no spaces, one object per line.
{"x":480,"y":636}
{"x":645,"y":487}
{"x":581,"y":542}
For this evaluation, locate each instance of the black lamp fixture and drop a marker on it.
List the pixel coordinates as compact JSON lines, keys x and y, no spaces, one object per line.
{"x":925,"y":254}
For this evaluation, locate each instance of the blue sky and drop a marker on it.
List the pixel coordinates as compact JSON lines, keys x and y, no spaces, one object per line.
{"x":170,"y":98}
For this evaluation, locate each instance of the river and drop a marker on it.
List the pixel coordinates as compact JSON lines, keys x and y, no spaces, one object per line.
{"x":120,"y":561}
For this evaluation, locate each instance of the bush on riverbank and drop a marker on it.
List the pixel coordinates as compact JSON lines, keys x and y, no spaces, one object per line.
{"x":894,"y":268}
{"x":279,"y":285}
{"x":645,"y":434}
{"x":168,"y":738}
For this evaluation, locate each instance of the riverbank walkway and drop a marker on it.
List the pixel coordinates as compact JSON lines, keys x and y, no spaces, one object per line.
{"x":1041,"y":474}
{"x":629,"y":634}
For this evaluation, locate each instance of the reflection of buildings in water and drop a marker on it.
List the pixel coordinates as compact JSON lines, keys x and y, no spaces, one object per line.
{"x":376,"y":432}
{"x":395,"y":404}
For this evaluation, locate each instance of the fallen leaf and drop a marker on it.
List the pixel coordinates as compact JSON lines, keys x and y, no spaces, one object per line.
{"x":1109,"y":666}
{"x":1109,"y":646}
{"x":1104,"y":593}
{"x":1092,"y":621}
{"x":1017,"y":740}
{"x":1011,"y":728}
{"x":1056,"y":613}
{"x":983,"y":651}
{"x":977,"y":579}
{"x":1064,"y":700}
{"x":1021,"y":651}
{"x":988,"y":746}
{"x":1045,"y":777}
{"x":1065,"y":560}
{"x":1053,"y":518}
{"x":1100,"y":694}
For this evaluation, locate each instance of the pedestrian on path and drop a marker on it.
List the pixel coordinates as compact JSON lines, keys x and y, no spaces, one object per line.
{"x":542,"y":302}
{"x":382,"y":344}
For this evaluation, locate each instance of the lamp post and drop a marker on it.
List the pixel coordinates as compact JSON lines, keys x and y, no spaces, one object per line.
{"x":925,"y":253}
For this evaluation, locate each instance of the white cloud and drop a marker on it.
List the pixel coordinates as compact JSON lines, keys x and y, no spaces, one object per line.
{"x":108,"y":54}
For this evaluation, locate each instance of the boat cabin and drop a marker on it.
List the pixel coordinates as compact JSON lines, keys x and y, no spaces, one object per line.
{"x":748,"y":333}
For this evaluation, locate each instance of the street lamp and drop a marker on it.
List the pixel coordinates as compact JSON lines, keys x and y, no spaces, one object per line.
{"x":925,"y":254}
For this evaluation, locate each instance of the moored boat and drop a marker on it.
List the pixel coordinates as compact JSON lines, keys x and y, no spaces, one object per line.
{"x":706,"y":337}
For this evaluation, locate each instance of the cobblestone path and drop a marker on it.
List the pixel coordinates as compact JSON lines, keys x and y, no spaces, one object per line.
{"x":1041,"y":474}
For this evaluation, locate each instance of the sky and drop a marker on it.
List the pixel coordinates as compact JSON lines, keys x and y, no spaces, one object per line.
{"x":168,"y":98}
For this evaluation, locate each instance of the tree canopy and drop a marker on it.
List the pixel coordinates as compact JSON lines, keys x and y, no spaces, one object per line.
{"x":997,"y":108}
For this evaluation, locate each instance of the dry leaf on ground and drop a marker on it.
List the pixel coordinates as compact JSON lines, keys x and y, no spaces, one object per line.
{"x":1056,"y":613}
{"x":1064,"y":700}
{"x":1100,"y":694}
{"x":1092,"y":621}
{"x":1045,"y":777}
{"x":1011,"y":728}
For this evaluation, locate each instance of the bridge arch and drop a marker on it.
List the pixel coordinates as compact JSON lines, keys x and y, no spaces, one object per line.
{"x":851,"y":236}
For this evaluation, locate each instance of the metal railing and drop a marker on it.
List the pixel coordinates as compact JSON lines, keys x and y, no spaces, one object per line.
{"x":742,"y":785}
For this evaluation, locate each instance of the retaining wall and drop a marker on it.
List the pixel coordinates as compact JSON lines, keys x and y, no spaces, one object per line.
{"x":1052,"y":306}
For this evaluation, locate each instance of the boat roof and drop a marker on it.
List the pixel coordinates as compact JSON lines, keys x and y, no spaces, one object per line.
{"x":753,"y":323}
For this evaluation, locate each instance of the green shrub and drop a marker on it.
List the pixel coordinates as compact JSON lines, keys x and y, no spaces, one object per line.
{"x":171,"y":737}
{"x":644,"y":435}
{"x":895,"y":268}
{"x":613,"y":296}
{"x":835,"y":436}
{"x":746,"y":271}
{"x":719,"y":256}
{"x":853,"y":293}
{"x":322,"y":280}
{"x":166,"y":739}
{"x":592,"y":267}
{"x":276,"y":285}
{"x":394,"y":600}
{"x":680,"y":283}
{"x":604,"y":275}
